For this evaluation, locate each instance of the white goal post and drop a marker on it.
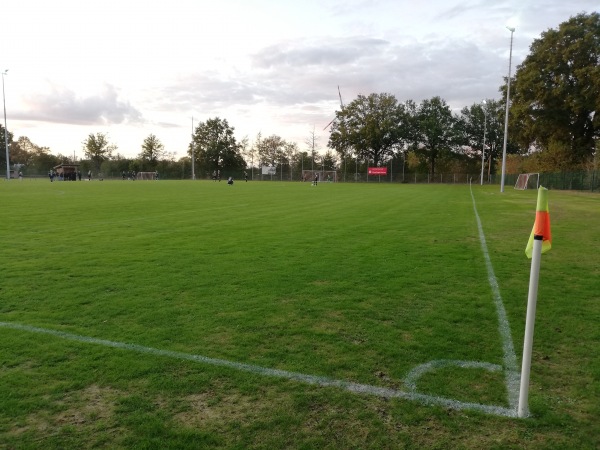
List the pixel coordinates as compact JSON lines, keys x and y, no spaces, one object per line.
{"x":527,"y":181}
{"x":146,"y":176}
{"x":324,"y":175}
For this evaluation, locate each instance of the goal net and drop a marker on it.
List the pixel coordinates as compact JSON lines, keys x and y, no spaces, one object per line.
{"x":527,"y":181}
{"x":324,"y":175}
{"x":146,"y":176}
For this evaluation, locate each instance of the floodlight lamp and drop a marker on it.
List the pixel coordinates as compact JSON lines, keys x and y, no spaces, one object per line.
{"x":511,"y":29}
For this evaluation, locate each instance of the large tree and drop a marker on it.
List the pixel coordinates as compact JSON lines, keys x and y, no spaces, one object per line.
{"x":98,"y":149}
{"x":271,"y":151}
{"x":216,"y":147}
{"x":434,"y":131}
{"x":152,"y":151}
{"x":556,"y":92}
{"x":373,"y":127}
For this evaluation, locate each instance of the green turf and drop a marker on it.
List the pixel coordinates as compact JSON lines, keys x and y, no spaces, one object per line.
{"x":354,"y":282}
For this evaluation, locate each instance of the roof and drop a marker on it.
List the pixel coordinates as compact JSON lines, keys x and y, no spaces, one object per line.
{"x":66,"y":165}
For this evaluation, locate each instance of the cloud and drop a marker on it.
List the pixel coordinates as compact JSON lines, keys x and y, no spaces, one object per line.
{"x":62,"y":105}
{"x":324,"y":52}
{"x":296,"y":81}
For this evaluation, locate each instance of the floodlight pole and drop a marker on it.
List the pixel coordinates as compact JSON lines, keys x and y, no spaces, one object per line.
{"x":403,"y":163}
{"x":193,"y":158}
{"x":5,"y":129}
{"x":483,"y":148}
{"x":512,"y":30}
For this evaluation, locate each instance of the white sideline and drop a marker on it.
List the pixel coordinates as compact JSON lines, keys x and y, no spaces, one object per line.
{"x":512,"y":377}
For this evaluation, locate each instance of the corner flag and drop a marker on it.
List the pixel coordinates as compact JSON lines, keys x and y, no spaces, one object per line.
{"x":541,"y":227}
{"x":540,"y":241}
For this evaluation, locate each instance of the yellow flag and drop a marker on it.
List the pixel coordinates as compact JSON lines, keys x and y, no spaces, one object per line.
{"x":541,"y":227}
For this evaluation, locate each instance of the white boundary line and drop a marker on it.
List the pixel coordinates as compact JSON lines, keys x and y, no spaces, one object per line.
{"x":512,"y":374}
{"x":512,"y":377}
{"x":294,"y":376}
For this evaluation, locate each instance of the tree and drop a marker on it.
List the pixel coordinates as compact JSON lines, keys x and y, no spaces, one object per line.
{"x":472,"y":121}
{"x":252,"y":153}
{"x":152,"y":151}
{"x":245,"y":149}
{"x":3,"y":146}
{"x":97,"y":148}
{"x":373,"y":126}
{"x":291,"y":150}
{"x":39,"y":159}
{"x":311,"y":143}
{"x":271,"y":151}
{"x":215,"y":146}
{"x":557,"y":92}
{"x":433,"y":130}
{"x":22,"y":151}
{"x":328,"y":161}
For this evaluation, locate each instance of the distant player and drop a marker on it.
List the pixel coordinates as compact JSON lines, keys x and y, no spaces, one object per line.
{"x":316,"y":179}
{"x":230,"y":180}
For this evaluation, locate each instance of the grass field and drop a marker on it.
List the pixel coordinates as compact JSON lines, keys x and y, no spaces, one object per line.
{"x":179,"y":314}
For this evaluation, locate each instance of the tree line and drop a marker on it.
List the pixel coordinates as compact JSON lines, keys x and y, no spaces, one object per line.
{"x":553,"y":125}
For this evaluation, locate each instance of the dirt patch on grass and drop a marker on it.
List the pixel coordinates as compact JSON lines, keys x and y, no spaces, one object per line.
{"x":89,"y":405}
{"x":78,"y":409}
{"x":208,"y":407}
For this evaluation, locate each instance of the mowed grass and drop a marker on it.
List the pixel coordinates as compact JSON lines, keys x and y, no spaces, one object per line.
{"x":353,"y":282}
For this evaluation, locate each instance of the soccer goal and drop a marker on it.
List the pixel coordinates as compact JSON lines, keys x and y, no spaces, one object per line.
{"x":528,"y":181}
{"x":325,"y":176}
{"x":146,"y":176}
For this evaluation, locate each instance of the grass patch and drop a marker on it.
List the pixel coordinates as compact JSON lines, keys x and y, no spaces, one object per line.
{"x":352,"y":282}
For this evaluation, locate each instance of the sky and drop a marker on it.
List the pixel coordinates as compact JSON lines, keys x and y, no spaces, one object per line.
{"x":132,"y":68}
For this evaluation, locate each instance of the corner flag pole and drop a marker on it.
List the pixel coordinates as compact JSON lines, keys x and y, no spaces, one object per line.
{"x":540,"y":242}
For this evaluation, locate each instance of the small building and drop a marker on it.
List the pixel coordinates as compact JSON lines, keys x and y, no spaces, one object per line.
{"x":67,"y":172}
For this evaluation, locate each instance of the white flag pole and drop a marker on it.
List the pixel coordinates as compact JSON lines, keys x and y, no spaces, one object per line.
{"x":523,"y":409}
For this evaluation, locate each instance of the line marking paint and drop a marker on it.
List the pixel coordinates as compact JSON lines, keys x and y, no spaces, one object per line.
{"x":356,"y":388}
{"x":513,"y":377}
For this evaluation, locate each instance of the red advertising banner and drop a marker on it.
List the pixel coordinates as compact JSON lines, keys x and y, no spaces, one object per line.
{"x":377,"y":170}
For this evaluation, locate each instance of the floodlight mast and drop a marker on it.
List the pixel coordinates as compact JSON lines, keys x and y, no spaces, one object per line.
{"x":193,"y":158}
{"x":483,"y":148}
{"x":5,"y":129}
{"x":512,"y":30}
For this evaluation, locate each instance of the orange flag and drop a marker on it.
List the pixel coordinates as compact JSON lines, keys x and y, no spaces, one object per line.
{"x":541,"y":227}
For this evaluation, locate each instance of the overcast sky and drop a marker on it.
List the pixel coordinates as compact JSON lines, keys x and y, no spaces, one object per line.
{"x":132,"y":68}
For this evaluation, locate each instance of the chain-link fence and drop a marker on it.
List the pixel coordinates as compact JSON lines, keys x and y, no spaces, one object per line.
{"x":579,"y":181}
{"x":576,"y":181}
